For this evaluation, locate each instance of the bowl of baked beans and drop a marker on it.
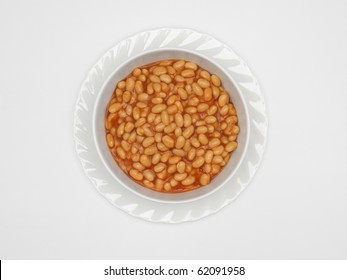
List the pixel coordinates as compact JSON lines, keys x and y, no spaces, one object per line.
{"x":171,"y":126}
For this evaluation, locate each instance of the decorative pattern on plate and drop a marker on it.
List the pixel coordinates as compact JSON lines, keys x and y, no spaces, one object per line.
{"x":166,"y":38}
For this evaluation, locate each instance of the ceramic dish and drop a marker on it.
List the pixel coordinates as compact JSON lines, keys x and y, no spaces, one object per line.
{"x":89,"y":133}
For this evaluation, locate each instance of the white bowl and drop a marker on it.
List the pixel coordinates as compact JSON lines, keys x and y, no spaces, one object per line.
{"x":105,"y":94}
{"x":104,"y":173}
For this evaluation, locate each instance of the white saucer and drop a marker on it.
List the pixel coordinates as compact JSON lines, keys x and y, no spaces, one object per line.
{"x":186,"y":40}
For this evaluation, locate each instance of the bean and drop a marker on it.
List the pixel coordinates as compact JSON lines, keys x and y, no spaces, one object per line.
{"x":172,"y":109}
{"x":148,"y":132}
{"x":205,"y":75}
{"x":197,"y":89}
{"x":137,"y":72}
{"x":165,"y":78}
{"x":125,"y":145}
{"x":140,"y":122}
{"x":224,"y":110}
{"x":159,"y":184}
{"x":136,"y":113}
{"x":171,"y":70}
{"x":159,"y":71}
{"x":166,"y":62}
{"x":217,"y":159}
{"x":202,"y":107}
{"x":179,"y":79}
{"x":142,"y":78}
{"x":180,"y":176}
{"x":170,"y":128}
{"x":223,"y":99}
{"x":194,"y":101}
{"x":167,"y":186}
{"x":138,"y":166}
{"x":180,"y":142}
{"x":129,"y":84}
{"x":210,"y":119}
{"x":150,"y":150}
{"x":203,"y":83}
{"x":187,"y":132}
{"x":129,"y":110}
{"x":179,"y":152}
{"x":136,"y":174}
{"x":214,"y":142}
{"x":191,"y":65}
{"x":187,"y":120}
{"x":148,"y":141}
{"x":121,"y":153}
{"x":158,"y":108}
{"x":218,"y":150}
{"x":159,"y":127}
{"x":188,"y":73}
{"x":215,"y":92}
{"x":115,"y":107}
{"x":168,"y":141}
{"x":178,"y":131}
{"x":110,"y":140}
{"x":154,"y":79}
{"x":235,"y":129}
{"x":208,"y":94}
{"x":138,"y":87}
{"x":205,"y":179}
{"x":132,"y":137}
{"x":159,"y":167}
{"x":142,"y":97}
{"x":198,"y":162}
{"x":162,"y":175}
{"x":127,"y":95}
{"x":207,"y":168}
{"x":195,"y":142}
{"x":191,"y":154}
{"x":200,"y":152}
{"x":231,"y":146}
{"x":141,"y":105}
{"x":155,"y":159}
{"x":215,"y":169}
{"x":188,"y":181}
{"x":145,"y":160}
{"x":215,"y":81}
{"x":208,"y":156}
{"x":171,"y":100}
{"x":173,"y":182}
{"x":157,"y":87}
{"x":174,"y":159}
{"x":165,"y":156}
{"x":181,"y":167}
{"x":129,"y":127}
{"x":149,"y":175}
{"x":162,"y":147}
{"x":179,"y":64}
{"x":203,"y":139}
{"x":121,"y":85}
{"x":182,"y":93}
{"x":201,"y":129}
{"x":179,"y":119}
{"x":191,"y":110}
{"x":172,"y":169}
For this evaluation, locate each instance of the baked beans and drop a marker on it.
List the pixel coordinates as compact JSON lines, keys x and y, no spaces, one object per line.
{"x":171,"y":126}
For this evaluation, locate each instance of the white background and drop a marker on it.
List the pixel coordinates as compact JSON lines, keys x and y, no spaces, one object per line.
{"x":297,"y":203}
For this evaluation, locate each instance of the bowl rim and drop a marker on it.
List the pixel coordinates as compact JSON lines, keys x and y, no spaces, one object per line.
{"x":113,"y":173}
